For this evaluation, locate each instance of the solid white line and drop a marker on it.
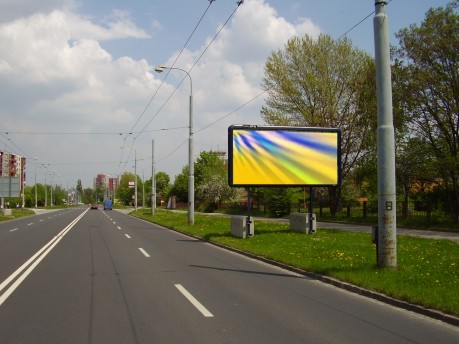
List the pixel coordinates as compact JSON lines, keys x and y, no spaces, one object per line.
{"x":127,"y":236}
{"x":144,"y":252}
{"x":41,"y":254}
{"x":194,"y":302}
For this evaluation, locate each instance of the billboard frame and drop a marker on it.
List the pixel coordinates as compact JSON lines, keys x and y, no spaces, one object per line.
{"x":254,"y":128}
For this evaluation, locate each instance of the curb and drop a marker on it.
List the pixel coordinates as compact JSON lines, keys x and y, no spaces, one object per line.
{"x":431,"y":313}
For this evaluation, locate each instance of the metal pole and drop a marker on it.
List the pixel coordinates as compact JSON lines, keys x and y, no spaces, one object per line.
{"x":160,"y":69}
{"x":191,"y":163}
{"x":36,"y":188}
{"x":135,"y":180}
{"x":387,"y":225}
{"x":46,"y":193}
{"x":153,"y":178}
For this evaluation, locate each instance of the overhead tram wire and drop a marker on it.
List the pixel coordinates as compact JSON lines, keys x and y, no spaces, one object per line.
{"x":162,"y":82}
{"x":260,"y":94}
{"x":202,"y":54}
{"x":173,"y":64}
{"x":360,"y":22}
{"x":176,"y":88}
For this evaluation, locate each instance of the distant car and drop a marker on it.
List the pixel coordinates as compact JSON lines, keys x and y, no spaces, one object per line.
{"x":94,"y":206}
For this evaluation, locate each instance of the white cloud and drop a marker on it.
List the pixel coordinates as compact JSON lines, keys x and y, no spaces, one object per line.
{"x":56,"y":76}
{"x":14,"y":9}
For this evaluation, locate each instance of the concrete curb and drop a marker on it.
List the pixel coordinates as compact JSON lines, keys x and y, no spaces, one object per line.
{"x":431,"y":313}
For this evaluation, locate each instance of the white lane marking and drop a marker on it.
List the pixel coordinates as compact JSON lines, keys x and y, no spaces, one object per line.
{"x":14,"y":229}
{"x":127,"y":236}
{"x":114,"y":222}
{"x":41,"y":220}
{"x":194,"y":302}
{"x":33,"y":262}
{"x":118,"y":227}
{"x":144,"y":252}
{"x":30,"y":224}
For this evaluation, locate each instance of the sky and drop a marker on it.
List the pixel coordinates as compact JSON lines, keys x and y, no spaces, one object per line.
{"x":79,"y":95}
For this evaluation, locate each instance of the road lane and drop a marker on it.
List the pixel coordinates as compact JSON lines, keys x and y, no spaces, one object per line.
{"x":96,"y":287}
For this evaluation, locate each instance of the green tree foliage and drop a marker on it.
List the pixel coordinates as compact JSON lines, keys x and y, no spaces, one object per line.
{"x":211,"y":180}
{"x":324,"y":83}
{"x":180,"y":187}
{"x":162,"y":183}
{"x":277,"y":200}
{"x":428,"y":60}
{"x":126,"y":194}
{"x":79,"y":189}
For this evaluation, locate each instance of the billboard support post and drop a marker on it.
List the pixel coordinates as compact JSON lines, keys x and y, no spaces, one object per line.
{"x":312,"y":225}
{"x":249,"y":219}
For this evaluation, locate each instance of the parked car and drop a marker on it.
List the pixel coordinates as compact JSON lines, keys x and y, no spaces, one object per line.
{"x":94,"y":206}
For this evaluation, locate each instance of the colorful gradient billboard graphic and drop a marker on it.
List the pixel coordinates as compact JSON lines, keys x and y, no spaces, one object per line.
{"x":291,"y":156}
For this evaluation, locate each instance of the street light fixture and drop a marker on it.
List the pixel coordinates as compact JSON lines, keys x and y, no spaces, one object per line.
{"x":160,"y":69}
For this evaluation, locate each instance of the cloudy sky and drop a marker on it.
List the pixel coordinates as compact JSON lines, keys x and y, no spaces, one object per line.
{"x":77,"y":79}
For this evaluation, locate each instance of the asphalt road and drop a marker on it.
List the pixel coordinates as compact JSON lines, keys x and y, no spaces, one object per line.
{"x":94,"y":276}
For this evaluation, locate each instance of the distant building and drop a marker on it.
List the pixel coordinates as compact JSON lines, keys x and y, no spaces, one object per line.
{"x":107,"y":185}
{"x":12,"y":165}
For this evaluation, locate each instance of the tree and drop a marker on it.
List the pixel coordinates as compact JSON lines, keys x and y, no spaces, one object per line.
{"x":429,"y":60}
{"x":180,"y":186}
{"x":324,"y":83}
{"x":211,"y":180}
{"x":162,"y":183}
{"x":126,"y":194}
{"x":79,"y":188}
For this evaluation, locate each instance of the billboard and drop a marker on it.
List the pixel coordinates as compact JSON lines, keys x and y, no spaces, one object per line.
{"x":10,"y":187}
{"x":283,"y":156}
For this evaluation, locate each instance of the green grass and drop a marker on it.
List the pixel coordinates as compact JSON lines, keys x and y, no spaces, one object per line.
{"x":427,"y":272}
{"x":16,"y":213}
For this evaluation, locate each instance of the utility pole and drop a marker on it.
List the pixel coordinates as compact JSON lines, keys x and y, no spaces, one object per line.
{"x":387,"y":224}
{"x":153,"y":178}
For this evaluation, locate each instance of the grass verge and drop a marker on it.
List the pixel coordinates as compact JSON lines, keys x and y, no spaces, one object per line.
{"x":427,"y":273}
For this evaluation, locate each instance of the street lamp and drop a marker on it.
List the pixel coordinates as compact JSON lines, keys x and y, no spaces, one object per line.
{"x":135,"y":176}
{"x":161,"y":69}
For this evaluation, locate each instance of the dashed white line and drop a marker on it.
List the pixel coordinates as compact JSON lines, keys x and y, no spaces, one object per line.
{"x":118,"y":227}
{"x":194,"y":302}
{"x":144,"y":252}
{"x":127,"y":236}
{"x":14,"y":229}
{"x":30,"y":224}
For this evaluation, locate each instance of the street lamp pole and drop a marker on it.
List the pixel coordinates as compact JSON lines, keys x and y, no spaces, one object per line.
{"x":135,"y":176}
{"x":160,"y":69}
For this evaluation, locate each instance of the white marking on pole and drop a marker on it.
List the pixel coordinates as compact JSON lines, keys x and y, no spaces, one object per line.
{"x":127,"y":236}
{"x":194,"y":302}
{"x":144,"y":252}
